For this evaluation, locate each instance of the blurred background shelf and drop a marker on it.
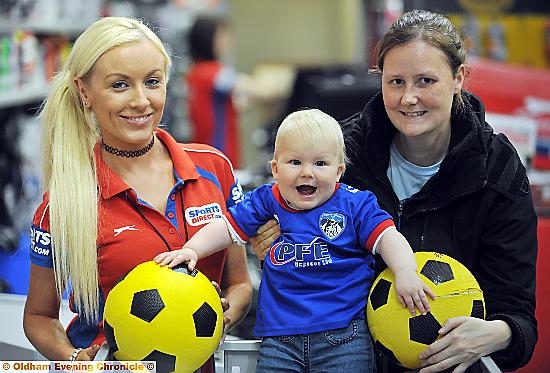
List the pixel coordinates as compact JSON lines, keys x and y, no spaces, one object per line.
{"x":21,"y":96}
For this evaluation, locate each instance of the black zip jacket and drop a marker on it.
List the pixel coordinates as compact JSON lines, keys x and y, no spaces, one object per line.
{"x":477,"y":209}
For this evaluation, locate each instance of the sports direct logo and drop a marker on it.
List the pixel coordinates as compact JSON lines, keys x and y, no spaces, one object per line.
{"x":200,"y":215}
{"x":237,"y":194}
{"x":40,"y":241}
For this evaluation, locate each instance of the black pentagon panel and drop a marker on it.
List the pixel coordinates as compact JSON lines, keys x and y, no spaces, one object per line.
{"x":379,"y":294}
{"x":147,"y":304}
{"x":424,"y":328}
{"x":205,"y":321}
{"x":166,"y":363}
{"x":182,"y":268}
{"x":110,"y":336}
{"x":387,"y":352}
{"x":478,"y":310}
{"x":437,"y":272}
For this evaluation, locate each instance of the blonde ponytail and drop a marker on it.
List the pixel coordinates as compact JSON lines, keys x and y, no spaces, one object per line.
{"x":70,"y":179}
{"x":69,"y":171}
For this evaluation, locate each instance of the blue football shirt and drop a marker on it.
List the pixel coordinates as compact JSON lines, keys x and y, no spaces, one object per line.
{"x":318,"y":273}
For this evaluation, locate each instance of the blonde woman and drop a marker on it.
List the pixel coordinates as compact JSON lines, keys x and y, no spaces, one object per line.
{"x":118,"y":189}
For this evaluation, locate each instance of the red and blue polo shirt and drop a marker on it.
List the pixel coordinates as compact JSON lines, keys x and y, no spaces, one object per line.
{"x":205,"y":187}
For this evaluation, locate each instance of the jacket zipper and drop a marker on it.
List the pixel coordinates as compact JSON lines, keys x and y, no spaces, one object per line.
{"x":399,"y":208}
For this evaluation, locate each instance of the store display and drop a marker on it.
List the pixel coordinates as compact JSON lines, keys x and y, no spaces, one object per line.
{"x":34,"y":39}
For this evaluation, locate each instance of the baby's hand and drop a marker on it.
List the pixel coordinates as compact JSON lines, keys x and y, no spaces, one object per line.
{"x":411,"y":291}
{"x":173,"y":258}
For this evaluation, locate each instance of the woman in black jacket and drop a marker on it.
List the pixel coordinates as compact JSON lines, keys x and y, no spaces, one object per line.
{"x":422,"y":146}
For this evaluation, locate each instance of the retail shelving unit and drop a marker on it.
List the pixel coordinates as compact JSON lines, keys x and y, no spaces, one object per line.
{"x":34,"y":38}
{"x":22,"y":96}
{"x":29,"y":89}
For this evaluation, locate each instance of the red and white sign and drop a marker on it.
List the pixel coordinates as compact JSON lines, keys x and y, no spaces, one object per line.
{"x":515,"y":97}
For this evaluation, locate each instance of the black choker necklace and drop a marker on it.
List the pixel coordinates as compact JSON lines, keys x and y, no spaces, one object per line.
{"x":128,"y":153}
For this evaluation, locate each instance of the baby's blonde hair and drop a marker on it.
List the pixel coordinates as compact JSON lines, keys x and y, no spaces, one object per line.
{"x":314,"y":127}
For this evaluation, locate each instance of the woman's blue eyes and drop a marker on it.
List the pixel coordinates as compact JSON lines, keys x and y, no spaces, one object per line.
{"x":151,"y":82}
{"x":119,"y":85}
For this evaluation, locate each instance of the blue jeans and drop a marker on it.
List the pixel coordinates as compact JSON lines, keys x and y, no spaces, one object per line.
{"x":347,"y":350}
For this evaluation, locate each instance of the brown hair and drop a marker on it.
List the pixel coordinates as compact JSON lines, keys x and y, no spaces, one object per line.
{"x":432,"y":28}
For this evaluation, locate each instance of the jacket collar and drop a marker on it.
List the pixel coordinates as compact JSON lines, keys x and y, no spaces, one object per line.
{"x":464,"y":167}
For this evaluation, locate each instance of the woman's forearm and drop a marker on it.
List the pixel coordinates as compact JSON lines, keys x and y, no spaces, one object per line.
{"x":48,"y":336}
{"x":236,"y":285}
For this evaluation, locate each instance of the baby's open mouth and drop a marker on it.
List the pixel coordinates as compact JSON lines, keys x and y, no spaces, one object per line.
{"x":306,"y":190}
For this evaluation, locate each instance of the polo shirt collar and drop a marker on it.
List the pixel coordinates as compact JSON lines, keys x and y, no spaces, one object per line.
{"x":111,"y":184}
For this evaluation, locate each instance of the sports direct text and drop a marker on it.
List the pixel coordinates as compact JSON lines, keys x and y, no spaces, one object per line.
{"x":77,"y":366}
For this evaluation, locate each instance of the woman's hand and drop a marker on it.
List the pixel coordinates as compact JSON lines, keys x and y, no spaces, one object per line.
{"x":225,"y":307}
{"x":87,"y":354}
{"x":464,"y":341}
{"x":266,"y":234}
